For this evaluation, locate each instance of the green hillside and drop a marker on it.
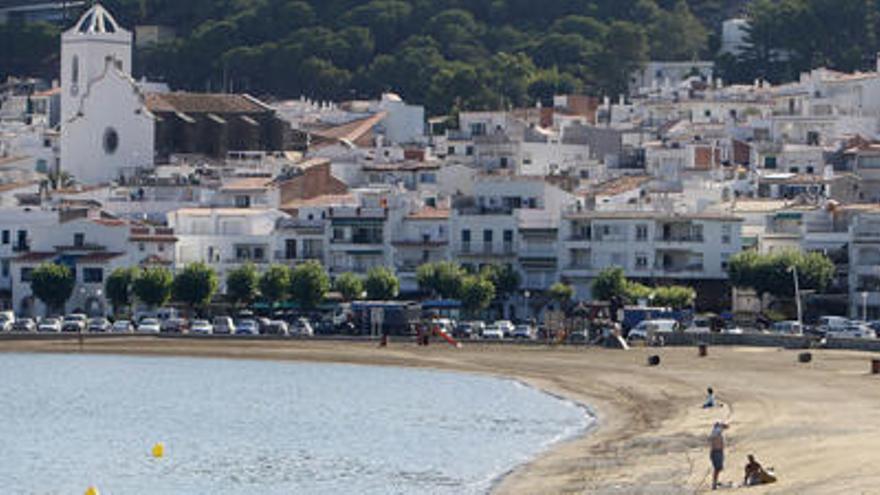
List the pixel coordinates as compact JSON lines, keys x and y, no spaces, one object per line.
{"x":473,"y":54}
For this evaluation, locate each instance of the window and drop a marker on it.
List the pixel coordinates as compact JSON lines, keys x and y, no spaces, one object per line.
{"x":26,"y":274}
{"x":111,"y":141}
{"x":93,"y":275}
{"x":487,"y":236}
{"x":726,"y":234}
{"x":770,"y":162}
{"x":142,"y":247}
{"x":338,"y":233}
{"x":469,"y":151}
{"x":641,"y":261}
{"x":161,"y":247}
{"x":428,"y":178}
{"x":508,"y":235}
{"x":243,"y":201}
{"x":426,"y":256}
{"x":450,"y":150}
{"x":4,"y":268}
{"x":725,"y":259}
{"x":79,"y":240}
{"x":503,"y":162}
{"x":641,"y":232}
{"x":466,"y":235}
{"x":290,"y":249}
{"x":259,"y":253}
{"x":811,"y":170}
{"x":5,"y":237}
{"x":242,"y":253}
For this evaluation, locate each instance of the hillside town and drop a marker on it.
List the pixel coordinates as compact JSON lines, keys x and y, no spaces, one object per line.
{"x":101,"y":171}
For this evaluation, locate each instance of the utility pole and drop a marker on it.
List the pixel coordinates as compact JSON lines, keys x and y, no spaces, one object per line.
{"x":797,"y":295}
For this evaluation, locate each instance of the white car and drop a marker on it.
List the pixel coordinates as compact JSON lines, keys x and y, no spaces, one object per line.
{"x":647,"y":327}
{"x":494,"y":332}
{"x":831,"y":324}
{"x":224,"y":324}
{"x":524,"y":332}
{"x":853,"y":331}
{"x":302,"y":327}
{"x":506,"y":327}
{"x":201,"y":327}
{"x":52,"y":325}
{"x":732,"y":330}
{"x":700,"y":325}
{"x":7,"y":319}
{"x":149,"y":325}
{"x":122,"y":326}
{"x":74,"y":323}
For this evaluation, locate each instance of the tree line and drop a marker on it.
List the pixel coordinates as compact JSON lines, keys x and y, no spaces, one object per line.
{"x":307,"y":285}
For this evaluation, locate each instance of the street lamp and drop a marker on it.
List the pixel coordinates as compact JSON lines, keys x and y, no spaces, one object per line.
{"x":865,"y":306}
{"x":797,"y":294}
{"x":526,"y":295}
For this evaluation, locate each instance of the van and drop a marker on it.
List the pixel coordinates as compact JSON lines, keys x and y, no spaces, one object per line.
{"x":7,"y":320}
{"x":787,"y":328}
{"x":224,"y":324}
{"x":648,"y":327}
{"x":832,"y":324}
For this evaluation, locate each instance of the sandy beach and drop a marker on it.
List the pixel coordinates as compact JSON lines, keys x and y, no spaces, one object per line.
{"x":815,"y":423}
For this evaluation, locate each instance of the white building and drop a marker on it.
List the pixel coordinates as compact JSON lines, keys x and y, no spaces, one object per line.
{"x":106,"y":131}
{"x":864,"y":272}
{"x":654,"y":247}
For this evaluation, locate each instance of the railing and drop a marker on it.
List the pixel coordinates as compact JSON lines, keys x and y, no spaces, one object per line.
{"x":680,"y":268}
{"x":680,"y":238}
{"x":21,"y":247}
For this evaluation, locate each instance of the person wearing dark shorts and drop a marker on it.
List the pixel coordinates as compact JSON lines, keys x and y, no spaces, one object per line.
{"x":716,"y":451}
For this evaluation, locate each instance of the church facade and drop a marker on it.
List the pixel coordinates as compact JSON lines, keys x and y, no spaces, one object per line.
{"x":107,"y":132}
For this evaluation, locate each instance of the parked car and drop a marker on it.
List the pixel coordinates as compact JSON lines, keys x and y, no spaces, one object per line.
{"x":732,"y":329}
{"x":646,"y":328}
{"x":201,"y":327}
{"x":302,"y":327}
{"x":149,"y":325}
{"x":74,"y":323}
{"x":787,"y":328}
{"x":7,"y":319}
{"x":24,"y":325}
{"x":506,"y":327}
{"x":524,"y":332}
{"x":831,"y":324}
{"x":173,"y":325}
{"x":854,"y":330}
{"x":277,"y":327}
{"x":493,"y":332}
{"x":122,"y":326}
{"x":98,"y":325}
{"x":224,"y":324}
{"x":468,"y":329}
{"x":247,"y":327}
{"x":700,"y":325}
{"x":52,"y":325}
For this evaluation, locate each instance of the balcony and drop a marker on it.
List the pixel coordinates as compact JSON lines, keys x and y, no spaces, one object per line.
{"x":21,"y":247}
{"x":675,"y":268}
{"x":684,"y":238}
{"x":420,"y":243}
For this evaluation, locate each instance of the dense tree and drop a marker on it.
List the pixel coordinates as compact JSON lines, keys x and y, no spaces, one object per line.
{"x":449,"y":55}
{"x":195,"y":285}
{"x":53,"y":285}
{"x":477,"y":294}
{"x":152,"y":286}
{"x":443,"y":279}
{"x":275,"y":283}
{"x":118,"y":288}
{"x":561,"y":293}
{"x":242,"y":284}
{"x":610,"y":283}
{"x":772,"y":273}
{"x":349,"y":285}
{"x":504,"y":278}
{"x":309,"y":284}
{"x":381,"y":284}
{"x":675,"y":297}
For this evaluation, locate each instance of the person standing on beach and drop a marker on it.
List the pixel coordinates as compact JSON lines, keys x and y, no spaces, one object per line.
{"x":716,"y":451}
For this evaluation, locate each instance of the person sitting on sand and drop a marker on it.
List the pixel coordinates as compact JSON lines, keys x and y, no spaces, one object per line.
{"x":716,"y":451}
{"x":710,"y":399}
{"x":756,"y":474}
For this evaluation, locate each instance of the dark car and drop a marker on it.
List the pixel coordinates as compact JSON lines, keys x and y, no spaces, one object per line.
{"x":24,"y":325}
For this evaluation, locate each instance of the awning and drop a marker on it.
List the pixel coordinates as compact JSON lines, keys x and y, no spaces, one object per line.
{"x":248,"y":120}
{"x":184,"y":117}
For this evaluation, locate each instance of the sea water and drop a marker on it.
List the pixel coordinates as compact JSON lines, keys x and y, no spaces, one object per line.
{"x":260,"y":427}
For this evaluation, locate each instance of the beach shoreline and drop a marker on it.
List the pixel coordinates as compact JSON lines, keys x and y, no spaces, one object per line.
{"x":649,"y":431}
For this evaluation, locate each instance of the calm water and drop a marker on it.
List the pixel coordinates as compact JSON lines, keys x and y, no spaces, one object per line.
{"x":235,"y":427}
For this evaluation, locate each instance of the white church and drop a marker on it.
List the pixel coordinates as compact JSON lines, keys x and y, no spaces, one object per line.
{"x":106,"y":130}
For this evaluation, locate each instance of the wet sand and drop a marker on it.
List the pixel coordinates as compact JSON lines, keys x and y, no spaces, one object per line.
{"x":817,"y":424}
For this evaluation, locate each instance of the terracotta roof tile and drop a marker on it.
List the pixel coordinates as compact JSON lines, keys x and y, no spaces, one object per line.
{"x":204,"y":103}
{"x":429,"y":213}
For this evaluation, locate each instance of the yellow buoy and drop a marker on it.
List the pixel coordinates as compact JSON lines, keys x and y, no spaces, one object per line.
{"x":158,"y":450}
{"x":92,"y":491}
